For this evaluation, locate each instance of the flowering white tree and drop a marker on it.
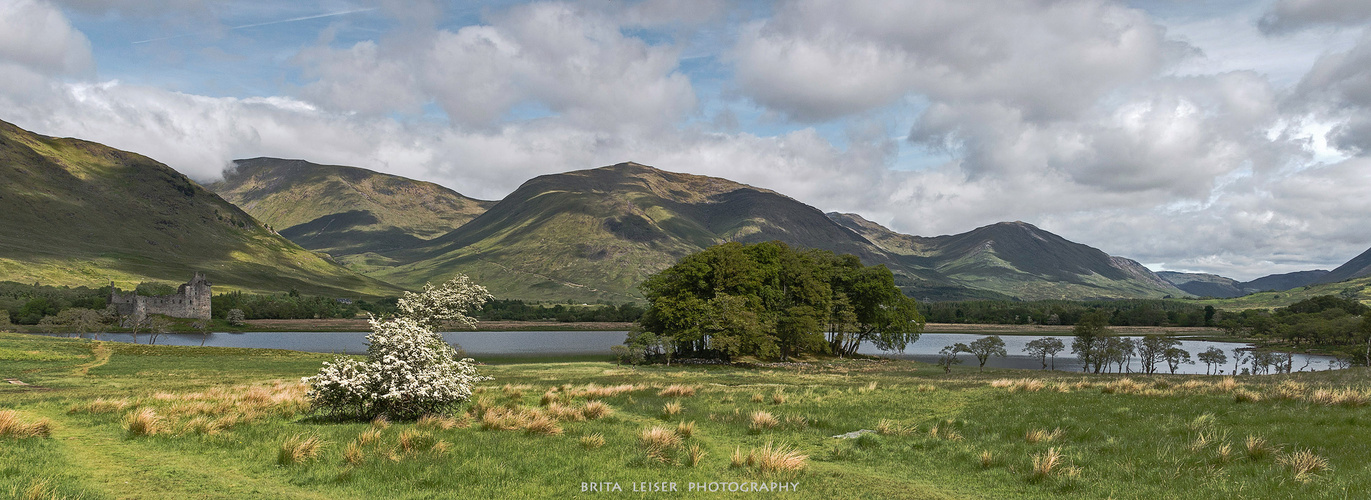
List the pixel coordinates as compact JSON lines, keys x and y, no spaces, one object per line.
{"x":410,"y":370}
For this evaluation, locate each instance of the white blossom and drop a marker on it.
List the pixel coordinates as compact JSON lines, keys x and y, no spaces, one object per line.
{"x":409,"y":370}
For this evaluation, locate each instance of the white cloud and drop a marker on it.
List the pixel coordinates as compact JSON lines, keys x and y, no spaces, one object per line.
{"x":573,"y":61}
{"x":36,"y":38}
{"x":1291,"y":15}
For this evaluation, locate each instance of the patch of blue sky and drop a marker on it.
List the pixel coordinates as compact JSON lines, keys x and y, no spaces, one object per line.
{"x":244,"y":52}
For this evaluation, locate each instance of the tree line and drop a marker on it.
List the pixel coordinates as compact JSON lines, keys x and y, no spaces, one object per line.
{"x":770,"y":301}
{"x":1120,"y":312}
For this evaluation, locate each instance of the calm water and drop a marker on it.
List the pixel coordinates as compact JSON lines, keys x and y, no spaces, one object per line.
{"x":560,"y":343}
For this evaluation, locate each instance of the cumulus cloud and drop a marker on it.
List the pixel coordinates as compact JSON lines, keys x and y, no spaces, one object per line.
{"x":573,"y":61}
{"x":821,"y":59}
{"x":35,"y":37}
{"x":1290,"y":15}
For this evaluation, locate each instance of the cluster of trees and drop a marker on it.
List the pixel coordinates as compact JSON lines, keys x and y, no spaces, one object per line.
{"x":771,"y":301}
{"x":290,"y":305}
{"x":1326,"y":320}
{"x":1135,"y":312}
{"x":518,"y":310}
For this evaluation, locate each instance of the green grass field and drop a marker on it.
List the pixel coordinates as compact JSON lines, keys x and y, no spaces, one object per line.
{"x":231,"y":423}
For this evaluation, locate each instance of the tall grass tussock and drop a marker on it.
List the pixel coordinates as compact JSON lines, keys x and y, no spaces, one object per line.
{"x":12,"y":426}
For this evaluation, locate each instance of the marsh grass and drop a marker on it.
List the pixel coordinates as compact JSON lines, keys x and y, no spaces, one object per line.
{"x":1304,"y":463}
{"x":1258,"y":447}
{"x":143,"y":422}
{"x":671,"y":409}
{"x":298,"y":449}
{"x":762,"y":420}
{"x":772,"y":459}
{"x":15,"y":427}
{"x":677,"y":391}
{"x":592,"y":441}
{"x":1042,"y":435}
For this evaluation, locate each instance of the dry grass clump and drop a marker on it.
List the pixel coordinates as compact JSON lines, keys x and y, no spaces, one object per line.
{"x":212,"y":426}
{"x":758,"y":398}
{"x":778,"y":398}
{"x":412,"y":440}
{"x":1289,"y":389}
{"x":1042,"y":435}
{"x":380,"y":422}
{"x":677,"y":391}
{"x":502,"y":419}
{"x":549,"y":397}
{"x":695,"y":454}
{"x":1223,"y":453}
{"x":369,"y":436}
{"x":1017,"y":385}
{"x":1125,"y":386}
{"x":592,"y":391}
{"x":761,"y":420}
{"x":685,"y":429}
{"x":297,"y":449}
{"x":1258,"y":447}
{"x":1044,"y":464}
{"x":441,"y":447}
{"x":658,"y":441}
{"x":12,"y":427}
{"x":515,"y":391}
{"x":925,"y":388}
{"x":593,"y":441}
{"x":797,"y":421}
{"x":353,"y":454}
{"x":144,"y":422}
{"x":671,"y":409}
{"x":1246,"y":396}
{"x":596,"y":409}
{"x":888,"y":427}
{"x":772,"y":459}
{"x":101,"y":405}
{"x":441,"y":422}
{"x":868,"y":388}
{"x":1206,"y":439}
{"x":1304,"y":463}
{"x":987,"y":459}
{"x":542,"y":424}
{"x":1227,"y":384}
{"x":1340,"y":397}
{"x":738,"y":459}
{"x":565,"y":413}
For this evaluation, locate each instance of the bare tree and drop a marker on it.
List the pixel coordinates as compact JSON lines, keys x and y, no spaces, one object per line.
{"x":157,"y":325}
{"x":201,"y":326}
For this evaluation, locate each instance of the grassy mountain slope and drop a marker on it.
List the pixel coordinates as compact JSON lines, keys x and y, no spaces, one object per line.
{"x":80,"y":213}
{"x":598,"y":233}
{"x":1358,"y":267}
{"x":356,"y":215}
{"x":1285,"y":281}
{"x":1015,"y":259}
{"x":1359,"y":288}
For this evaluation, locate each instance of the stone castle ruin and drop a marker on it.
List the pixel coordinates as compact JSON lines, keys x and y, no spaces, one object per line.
{"x":190,"y":301}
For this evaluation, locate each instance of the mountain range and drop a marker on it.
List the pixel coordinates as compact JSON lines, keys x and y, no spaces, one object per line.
{"x":81,"y":213}
{"x":597,"y":233}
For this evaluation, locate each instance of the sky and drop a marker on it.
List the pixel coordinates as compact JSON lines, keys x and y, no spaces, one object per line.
{"x":1230,"y":137}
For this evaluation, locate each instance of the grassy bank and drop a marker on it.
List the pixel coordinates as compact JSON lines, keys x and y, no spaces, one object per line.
{"x":231,"y":423}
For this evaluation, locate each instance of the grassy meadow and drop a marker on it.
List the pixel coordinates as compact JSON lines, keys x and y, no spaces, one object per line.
{"x":109,"y":420}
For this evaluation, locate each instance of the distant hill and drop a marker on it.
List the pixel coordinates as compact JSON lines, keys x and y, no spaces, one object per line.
{"x":356,"y":215}
{"x":1204,"y":284}
{"x":1358,"y":267}
{"x":1286,"y":281}
{"x":80,"y":213}
{"x":1014,"y":259}
{"x":1213,"y":285}
{"x":596,"y":234}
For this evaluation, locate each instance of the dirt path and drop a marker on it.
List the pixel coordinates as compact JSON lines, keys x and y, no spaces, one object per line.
{"x":102,"y":353}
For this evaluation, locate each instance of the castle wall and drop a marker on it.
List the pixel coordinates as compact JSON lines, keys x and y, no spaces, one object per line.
{"x":192,"y":300}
